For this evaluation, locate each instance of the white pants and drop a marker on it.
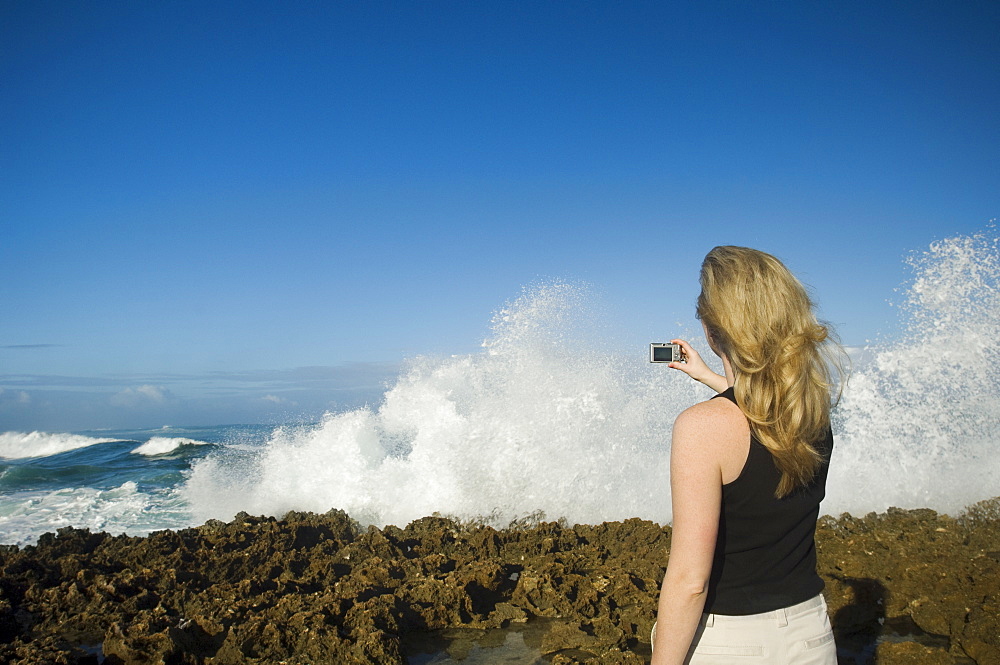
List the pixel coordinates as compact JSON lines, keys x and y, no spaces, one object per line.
{"x":796,"y":635}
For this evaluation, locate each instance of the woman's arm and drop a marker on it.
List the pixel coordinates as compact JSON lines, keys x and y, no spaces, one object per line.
{"x":695,"y":367}
{"x":696,"y":497}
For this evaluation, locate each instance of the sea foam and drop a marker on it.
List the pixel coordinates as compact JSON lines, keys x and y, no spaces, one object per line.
{"x":121,"y":509}
{"x":546,"y":418}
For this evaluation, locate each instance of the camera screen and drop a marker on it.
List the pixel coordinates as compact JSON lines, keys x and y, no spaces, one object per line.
{"x":663,"y":354}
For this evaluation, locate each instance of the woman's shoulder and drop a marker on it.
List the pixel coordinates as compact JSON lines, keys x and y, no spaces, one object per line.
{"x":716,"y":412}
{"x":713,"y":423}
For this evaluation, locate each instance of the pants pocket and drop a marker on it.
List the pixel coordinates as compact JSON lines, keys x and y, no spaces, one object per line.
{"x":819,"y":641}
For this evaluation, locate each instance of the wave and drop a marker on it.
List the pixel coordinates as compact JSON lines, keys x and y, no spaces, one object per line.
{"x":20,"y":445}
{"x":160,"y":445}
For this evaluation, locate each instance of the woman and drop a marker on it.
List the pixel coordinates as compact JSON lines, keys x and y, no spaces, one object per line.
{"x":747,"y":472}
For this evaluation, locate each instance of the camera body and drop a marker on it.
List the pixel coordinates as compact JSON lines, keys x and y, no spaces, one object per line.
{"x":665,"y":353}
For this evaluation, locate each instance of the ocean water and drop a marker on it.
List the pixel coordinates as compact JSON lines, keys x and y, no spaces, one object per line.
{"x":119,"y":481}
{"x":548,"y":419}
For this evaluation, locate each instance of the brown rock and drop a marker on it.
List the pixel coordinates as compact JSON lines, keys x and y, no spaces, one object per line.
{"x":317,"y":588}
{"x":564,"y":636}
{"x":911,"y":653}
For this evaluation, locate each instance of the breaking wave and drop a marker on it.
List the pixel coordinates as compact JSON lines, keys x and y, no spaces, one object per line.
{"x":20,"y":445}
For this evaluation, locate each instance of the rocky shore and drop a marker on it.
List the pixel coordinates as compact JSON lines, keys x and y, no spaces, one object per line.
{"x":903,"y":587}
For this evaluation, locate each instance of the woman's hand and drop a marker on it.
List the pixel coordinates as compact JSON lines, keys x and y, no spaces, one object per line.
{"x":696,"y":368}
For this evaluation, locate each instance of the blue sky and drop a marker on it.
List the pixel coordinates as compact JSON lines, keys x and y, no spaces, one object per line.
{"x":236,"y":212}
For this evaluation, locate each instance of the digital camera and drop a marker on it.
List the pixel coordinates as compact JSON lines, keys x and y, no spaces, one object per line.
{"x":665,"y":353}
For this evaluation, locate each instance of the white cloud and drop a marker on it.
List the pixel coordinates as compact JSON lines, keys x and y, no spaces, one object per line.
{"x":141,"y":396}
{"x":279,"y":400}
{"x":18,"y":397}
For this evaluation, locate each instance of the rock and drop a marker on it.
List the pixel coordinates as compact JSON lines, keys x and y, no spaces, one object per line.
{"x":317,"y":588}
{"x":564,"y":636}
{"x":911,"y":653}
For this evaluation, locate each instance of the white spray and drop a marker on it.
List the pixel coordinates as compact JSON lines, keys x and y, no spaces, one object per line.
{"x":919,"y":426}
{"x":540,"y":420}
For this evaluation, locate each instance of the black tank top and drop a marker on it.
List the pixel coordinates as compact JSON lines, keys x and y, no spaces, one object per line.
{"x":765,"y":555}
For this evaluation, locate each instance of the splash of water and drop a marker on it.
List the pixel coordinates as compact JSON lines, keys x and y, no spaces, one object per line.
{"x":544,"y":419}
{"x":541,"y":420}
{"x":920,"y":424}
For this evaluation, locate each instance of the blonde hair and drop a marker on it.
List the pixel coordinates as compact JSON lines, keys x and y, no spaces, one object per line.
{"x":786,"y":363}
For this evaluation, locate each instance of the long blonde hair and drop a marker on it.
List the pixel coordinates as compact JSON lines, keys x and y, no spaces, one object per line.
{"x":786,"y":363}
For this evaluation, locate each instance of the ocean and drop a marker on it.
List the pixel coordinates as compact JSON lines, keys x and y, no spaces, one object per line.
{"x":548,"y":421}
